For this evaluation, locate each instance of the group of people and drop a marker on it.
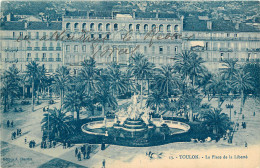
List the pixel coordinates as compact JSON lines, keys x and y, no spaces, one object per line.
{"x":66,"y":144}
{"x":83,"y":151}
{"x":32,"y":144}
{"x":8,"y":123}
{"x":244,"y":125}
{"x":50,"y":144}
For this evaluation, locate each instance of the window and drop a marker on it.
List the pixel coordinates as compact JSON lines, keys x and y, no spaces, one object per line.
{"x":115,"y":27}
{"x":168,"y":28}
{"x":44,"y":57}
{"x":160,"y":50}
{"x":21,"y":34}
{"x":84,"y":26}
{"x":228,"y":35}
{"x":154,"y":27}
{"x":176,"y":50}
{"x":50,"y":68}
{"x":37,"y":35}
{"x":44,"y":34}
{"x":29,"y":34}
{"x":168,"y":49}
{"x":76,"y":48}
{"x":107,"y":36}
{"x":161,"y":28}
{"x":100,"y":27}
{"x":29,"y":57}
{"x":145,"y":27}
{"x":92,"y":36}
{"x":68,"y":26}
{"x":13,"y":34}
{"x":92,"y":27}
{"x":176,"y":28}
{"x":153,"y":49}
{"x":207,"y":45}
{"x":84,"y":48}
{"x":235,"y":35}
{"x":108,"y":27}
{"x":145,"y":49}
{"x":130,"y":27}
{"x":137,"y":27}
{"x":100,"y":36}
{"x":67,"y":48}
{"x":76,"y":26}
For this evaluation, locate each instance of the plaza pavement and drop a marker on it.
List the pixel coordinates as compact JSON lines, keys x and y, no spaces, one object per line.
{"x":119,"y":156}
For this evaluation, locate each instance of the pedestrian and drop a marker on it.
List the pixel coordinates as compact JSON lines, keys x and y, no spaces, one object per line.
{"x":54,"y":144}
{"x":82,"y":149}
{"x":245,"y":125}
{"x":25,"y":140}
{"x":42,"y":145}
{"x":254,"y":113}
{"x":64,"y":144}
{"x":76,"y":152}
{"x":43,"y":109}
{"x":17,"y":131}
{"x":243,"y":117}
{"x":104,"y":163}
{"x":246,"y":144}
{"x":8,"y":123}
{"x":84,"y":154}
{"x":14,"y":134}
{"x":103,"y":146}
{"x":12,"y":124}
{"x":69,"y":144}
{"x":235,"y":112}
{"x":79,"y":156}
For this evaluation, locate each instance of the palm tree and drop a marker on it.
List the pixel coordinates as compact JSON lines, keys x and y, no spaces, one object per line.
{"x":104,"y":95}
{"x":118,"y":84}
{"x":33,"y":72}
{"x":75,"y":100}
{"x":242,"y":82}
{"x":56,"y":122}
{"x":166,"y":80}
{"x":142,"y":69}
{"x":217,"y":85}
{"x":62,"y":79}
{"x":157,"y":99}
{"x":89,"y":76}
{"x":217,"y":120}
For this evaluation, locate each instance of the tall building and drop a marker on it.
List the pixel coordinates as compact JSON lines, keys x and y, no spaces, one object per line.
{"x":115,"y":37}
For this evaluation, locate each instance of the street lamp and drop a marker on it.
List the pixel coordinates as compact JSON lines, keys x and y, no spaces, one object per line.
{"x":230,"y":105}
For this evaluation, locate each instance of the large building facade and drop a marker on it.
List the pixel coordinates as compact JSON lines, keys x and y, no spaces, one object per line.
{"x":116,"y":38}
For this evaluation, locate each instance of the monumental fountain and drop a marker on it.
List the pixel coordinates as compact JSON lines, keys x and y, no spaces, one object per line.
{"x":135,"y":127}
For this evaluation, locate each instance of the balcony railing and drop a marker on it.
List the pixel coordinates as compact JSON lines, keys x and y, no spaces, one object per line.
{"x":51,"y":48}
{"x":58,"y":48}
{"x":36,"y":48}
{"x":225,"y":49}
{"x":44,"y":48}
{"x":29,"y":48}
{"x":36,"y":59}
{"x":58,"y":59}
{"x":44,"y":59}
{"x":28,"y":59}
{"x":51,"y":59}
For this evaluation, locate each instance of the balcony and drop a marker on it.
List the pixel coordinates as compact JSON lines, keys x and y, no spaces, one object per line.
{"x":44,"y":48}
{"x":36,"y":59}
{"x":36,"y":48}
{"x":51,"y":59}
{"x":58,"y":48}
{"x":253,"y":49}
{"x":28,"y":59}
{"x":225,"y":49}
{"x":44,"y":59}
{"x":58,"y":59}
{"x":51,"y":48}
{"x":29,"y":48}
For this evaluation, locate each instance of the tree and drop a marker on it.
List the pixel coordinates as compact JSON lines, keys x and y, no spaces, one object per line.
{"x":254,"y":70}
{"x":104,"y":95}
{"x":62,"y":80}
{"x":215,"y":119}
{"x":141,"y":68}
{"x":10,"y":88}
{"x":157,"y":99}
{"x":229,"y":70}
{"x":117,"y":82}
{"x":33,"y":72}
{"x":166,"y":80}
{"x":217,"y":85}
{"x":242,"y":82}
{"x":75,"y":100}
{"x":56,"y":122}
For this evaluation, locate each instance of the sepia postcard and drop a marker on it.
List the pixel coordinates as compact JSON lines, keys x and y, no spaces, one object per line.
{"x":130,"y":84}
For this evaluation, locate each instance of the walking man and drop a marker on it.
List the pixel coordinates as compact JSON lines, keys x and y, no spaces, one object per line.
{"x":25,"y":140}
{"x":76,"y":152}
{"x":79,"y":156}
{"x":104,"y":163}
{"x":12,"y":124}
{"x":8,"y":123}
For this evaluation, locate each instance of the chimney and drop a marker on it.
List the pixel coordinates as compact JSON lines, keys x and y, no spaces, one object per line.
{"x":209,"y":25}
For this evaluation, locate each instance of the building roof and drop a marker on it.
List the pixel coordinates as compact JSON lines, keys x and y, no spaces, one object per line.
{"x":195,"y":24}
{"x":31,"y":25}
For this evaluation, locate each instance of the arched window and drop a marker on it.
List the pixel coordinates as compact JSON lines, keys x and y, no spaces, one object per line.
{"x":84,"y":26}
{"x":137,"y":27}
{"x":92,"y":27}
{"x":68,"y":26}
{"x":168,"y":28}
{"x":161,"y":28}
{"x":176,"y":28}
{"x":76,"y":26}
{"x":154,"y":27}
{"x":108,"y":27}
{"x":145,"y":27}
{"x":100,"y":27}
{"x":130,"y":27}
{"x":115,"y":27}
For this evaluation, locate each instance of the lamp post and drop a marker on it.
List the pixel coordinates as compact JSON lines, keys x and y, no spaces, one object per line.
{"x":48,"y":124}
{"x":230,"y":105}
